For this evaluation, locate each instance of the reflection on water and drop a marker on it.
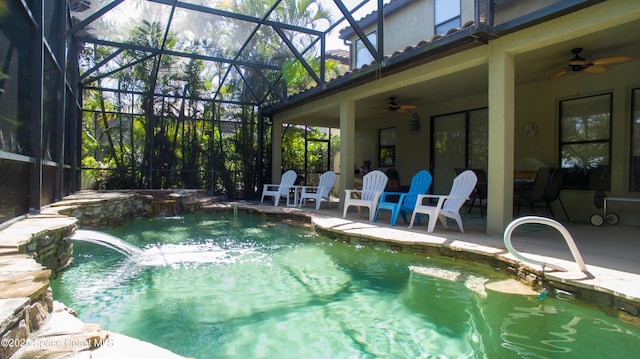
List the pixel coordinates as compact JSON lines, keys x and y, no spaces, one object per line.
{"x":219,"y":287}
{"x":527,"y":342}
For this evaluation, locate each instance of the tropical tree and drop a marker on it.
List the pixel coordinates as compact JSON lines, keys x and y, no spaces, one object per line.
{"x":195,"y":122}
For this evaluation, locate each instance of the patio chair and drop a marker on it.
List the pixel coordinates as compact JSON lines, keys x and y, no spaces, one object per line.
{"x":448,"y":206}
{"x":373,"y":184}
{"x":319,"y":192}
{"x":480,"y":192}
{"x":552,"y":193}
{"x":534,"y":194}
{"x":406,"y":203}
{"x":280,"y":190}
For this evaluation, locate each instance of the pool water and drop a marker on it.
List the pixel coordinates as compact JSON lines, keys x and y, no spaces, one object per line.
{"x":215,"y":286}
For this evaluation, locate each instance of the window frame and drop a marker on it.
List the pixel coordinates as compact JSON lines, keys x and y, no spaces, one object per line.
{"x":634,"y":125}
{"x":587,"y":177}
{"x":387,"y":143}
{"x":358,"y":46}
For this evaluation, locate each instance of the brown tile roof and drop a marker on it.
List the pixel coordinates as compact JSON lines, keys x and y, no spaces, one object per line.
{"x":339,"y":55}
{"x":422,"y":43}
{"x":456,"y":39}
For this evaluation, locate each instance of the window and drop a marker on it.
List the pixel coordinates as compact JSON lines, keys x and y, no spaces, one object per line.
{"x":387,"y":147}
{"x":634,"y":173}
{"x":585,"y":141}
{"x":447,"y":14}
{"x":363,"y":56}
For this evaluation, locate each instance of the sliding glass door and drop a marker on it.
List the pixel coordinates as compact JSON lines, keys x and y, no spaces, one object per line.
{"x":459,"y":140}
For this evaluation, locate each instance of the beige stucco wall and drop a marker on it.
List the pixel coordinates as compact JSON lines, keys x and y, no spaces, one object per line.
{"x":507,"y":10}
{"x":412,"y":24}
{"x":408,"y":26}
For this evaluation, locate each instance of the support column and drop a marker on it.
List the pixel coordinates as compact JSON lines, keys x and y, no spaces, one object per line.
{"x":36,"y":115}
{"x":276,"y":152}
{"x":347,"y":146}
{"x":61,"y":122}
{"x":501,"y":142}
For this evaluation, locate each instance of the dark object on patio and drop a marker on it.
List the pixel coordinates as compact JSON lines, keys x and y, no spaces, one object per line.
{"x":533,"y":194}
{"x":480,"y":192}
{"x":394,"y":180}
{"x":552,"y":193}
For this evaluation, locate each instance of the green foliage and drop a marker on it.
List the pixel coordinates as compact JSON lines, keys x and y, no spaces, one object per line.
{"x":4,"y":9}
{"x":299,"y":79}
{"x":310,"y":152}
{"x":177,"y":139}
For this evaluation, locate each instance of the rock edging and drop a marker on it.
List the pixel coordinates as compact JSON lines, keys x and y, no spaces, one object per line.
{"x":37,"y":248}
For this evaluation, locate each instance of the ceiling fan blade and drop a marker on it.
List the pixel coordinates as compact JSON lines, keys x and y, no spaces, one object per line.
{"x":382,"y":111}
{"x":558,"y":74}
{"x":407,"y":107}
{"x":611,"y":60}
{"x":595,"y":69}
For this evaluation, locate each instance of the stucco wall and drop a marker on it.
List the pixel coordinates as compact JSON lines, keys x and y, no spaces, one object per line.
{"x":507,"y":10}
{"x":408,"y":26}
{"x":412,"y":24}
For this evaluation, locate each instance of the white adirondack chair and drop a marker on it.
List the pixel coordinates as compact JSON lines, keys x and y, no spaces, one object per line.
{"x":280,"y":190}
{"x":448,"y":205}
{"x":373,"y":184}
{"x":319,"y":192}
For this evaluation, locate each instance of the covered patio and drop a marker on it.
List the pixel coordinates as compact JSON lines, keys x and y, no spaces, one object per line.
{"x":511,"y":78}
{"x":150,"y":125}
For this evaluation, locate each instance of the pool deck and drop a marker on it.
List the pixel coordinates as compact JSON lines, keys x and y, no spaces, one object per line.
{"x":610,"y":252}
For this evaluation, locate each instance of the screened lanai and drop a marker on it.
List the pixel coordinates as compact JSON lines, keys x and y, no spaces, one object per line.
{"x":99,"y":94}
{"x":224,"y":96}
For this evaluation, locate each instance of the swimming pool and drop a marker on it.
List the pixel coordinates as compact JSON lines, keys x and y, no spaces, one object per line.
{"x":215,"y":286}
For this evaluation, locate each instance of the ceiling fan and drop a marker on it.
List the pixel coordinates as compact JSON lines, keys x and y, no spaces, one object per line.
{"x":392,"y":106}
{"x":580,"y":64}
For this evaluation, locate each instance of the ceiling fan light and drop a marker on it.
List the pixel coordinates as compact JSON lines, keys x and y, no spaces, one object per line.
{"x":577,"y":68}
{"x":392,"y":104}
{"x":578,"y":62}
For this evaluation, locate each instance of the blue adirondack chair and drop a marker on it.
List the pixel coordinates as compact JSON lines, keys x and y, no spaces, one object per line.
{"x":407,"y":201}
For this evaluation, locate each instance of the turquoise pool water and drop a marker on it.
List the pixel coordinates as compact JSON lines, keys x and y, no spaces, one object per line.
{"x":211,"y":286}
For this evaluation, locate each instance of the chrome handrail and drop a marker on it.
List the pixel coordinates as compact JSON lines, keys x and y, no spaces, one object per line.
{"x":551,"y":223}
